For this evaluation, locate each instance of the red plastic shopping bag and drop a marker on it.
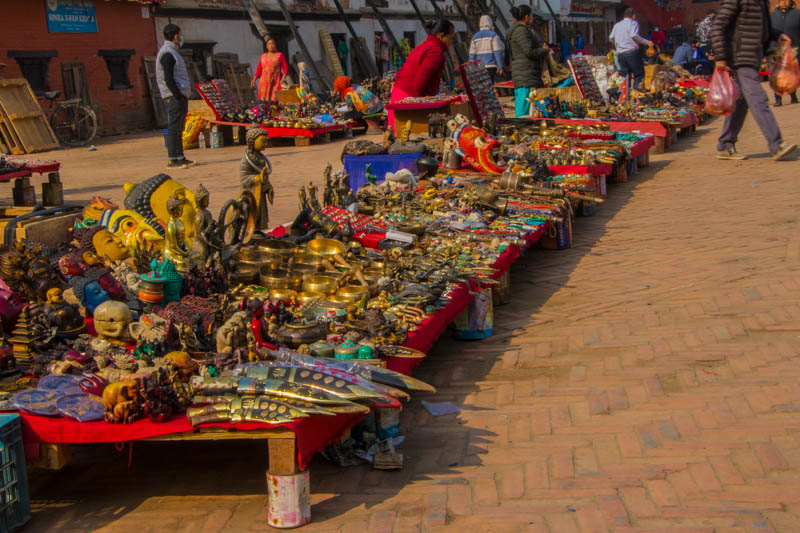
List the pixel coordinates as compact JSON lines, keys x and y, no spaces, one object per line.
{"x":784,"y":76}
{"x":722,"y":94}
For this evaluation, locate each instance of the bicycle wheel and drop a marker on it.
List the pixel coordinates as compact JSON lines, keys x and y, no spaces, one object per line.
{"x":74,"y":124}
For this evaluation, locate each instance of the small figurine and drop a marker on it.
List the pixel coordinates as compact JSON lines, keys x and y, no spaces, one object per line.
{"x":172,"y":287}
{"x":206,"y":240}
{"x":61,"y":317}
{"x":175,"y":248}
{"x":301,"y":193}
{"x":372,"y":178}
{"x":312,"y":195}
{"x":328,"y":195}
{"x":111,"y":321}
{"x":89,"y":292}
{"x":254,"y":172}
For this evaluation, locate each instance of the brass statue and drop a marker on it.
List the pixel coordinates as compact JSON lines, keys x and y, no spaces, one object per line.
{"x":206,"y":240}
{"x":175,"y":248}
{"x":254,"y":171}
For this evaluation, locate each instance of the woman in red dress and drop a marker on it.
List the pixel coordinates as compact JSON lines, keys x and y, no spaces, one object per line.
{"x":272,"y":68}
{"x":421,"y":74}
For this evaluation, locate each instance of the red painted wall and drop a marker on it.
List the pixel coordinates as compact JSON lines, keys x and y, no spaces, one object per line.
{"x":120,"y":25}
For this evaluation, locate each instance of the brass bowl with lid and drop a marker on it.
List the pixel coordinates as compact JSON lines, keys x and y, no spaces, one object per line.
{"x":325,"y":247}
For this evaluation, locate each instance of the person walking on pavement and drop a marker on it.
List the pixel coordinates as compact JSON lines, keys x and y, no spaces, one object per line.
{"x":487,"y":46}
{"x":739,"y":34}
{"x":626,"y":40}
{"x":173,"y":83}
{"x":785,"y":20}
{"x":527,"y":53}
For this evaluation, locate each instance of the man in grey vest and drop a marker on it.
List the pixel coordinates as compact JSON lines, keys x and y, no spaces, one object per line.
{"x":175,"y":89}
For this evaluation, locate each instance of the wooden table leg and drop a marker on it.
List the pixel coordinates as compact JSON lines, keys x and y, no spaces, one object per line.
{"x":282,"y":457}
{"x":659,"y":146}
{"x":302,"y":141}
{"x":52,"y":456}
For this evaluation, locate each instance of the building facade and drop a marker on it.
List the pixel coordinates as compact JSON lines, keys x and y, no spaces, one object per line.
{"x":91,"y":49}
{"x":224,"y":26}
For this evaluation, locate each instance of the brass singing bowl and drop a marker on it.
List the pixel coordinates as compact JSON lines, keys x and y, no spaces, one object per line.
{"x":275,"y":246}
{"x":284,"y":295}
{"x":246,"y":275}
{"x":305,"y":258}
{"x":320,"y":283}
{"x":353,"y":292}
{"x":372,"y":275}
{"x":338,"y":302}
{"x":254,"y":258}
{"x":280,"y":278}
{"x":325,"y":247}
{"x":308,"y":296}
{"x":303,"y":270}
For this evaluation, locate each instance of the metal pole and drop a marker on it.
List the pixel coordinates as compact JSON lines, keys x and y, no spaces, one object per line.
{"x":464,"y":16}
{"x":500,"y":15}
{"x":447,"y":63}
{"x":384,"y":25}
{"x":373,"y":67}
{"x":462,"y":58}
{"x":302,"y":45}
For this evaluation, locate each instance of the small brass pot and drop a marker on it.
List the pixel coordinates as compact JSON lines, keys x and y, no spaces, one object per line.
{"x":353,"y":292}
{"x":293,"y":335}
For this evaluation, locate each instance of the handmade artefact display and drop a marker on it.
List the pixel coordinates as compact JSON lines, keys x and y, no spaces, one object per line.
{"x":584,"y":79}
{"x":473,"y":145}
{"x":480,"y":88}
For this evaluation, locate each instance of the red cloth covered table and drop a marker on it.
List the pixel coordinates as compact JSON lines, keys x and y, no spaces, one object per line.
{"x":298,"y":132}
{"x":40,"y":167}
{"x":311,"y":434}
{"x":602,"y":169}
{"x":656,"y":128}
{"x":642,"y":146}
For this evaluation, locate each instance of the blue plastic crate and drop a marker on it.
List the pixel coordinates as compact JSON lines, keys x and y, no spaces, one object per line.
{"x":15,"y":500}
{"x":356,"y":166}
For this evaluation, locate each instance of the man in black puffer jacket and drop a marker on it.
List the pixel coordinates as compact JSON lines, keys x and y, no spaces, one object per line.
{"x":739,"y":33}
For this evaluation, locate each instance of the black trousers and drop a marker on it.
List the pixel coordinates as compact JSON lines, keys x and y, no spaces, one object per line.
{"x":631,"y":63}
{"x":176,"y":119}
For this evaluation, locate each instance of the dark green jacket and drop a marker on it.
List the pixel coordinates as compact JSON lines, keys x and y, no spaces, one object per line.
{"x":526,"y":57}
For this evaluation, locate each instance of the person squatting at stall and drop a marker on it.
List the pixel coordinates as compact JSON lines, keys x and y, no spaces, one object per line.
{"x":421,"y":74}
{"x":626,"y":40}
{"x":487,"y":46}
{"x":173,"y":83}
{"x":785,"y":20}
{"x":739,"y":34}
{"x":359,"y":101}
{"x":526,"y":55}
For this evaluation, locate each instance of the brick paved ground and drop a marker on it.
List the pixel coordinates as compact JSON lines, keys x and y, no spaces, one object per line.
{"x":644,"y":380}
